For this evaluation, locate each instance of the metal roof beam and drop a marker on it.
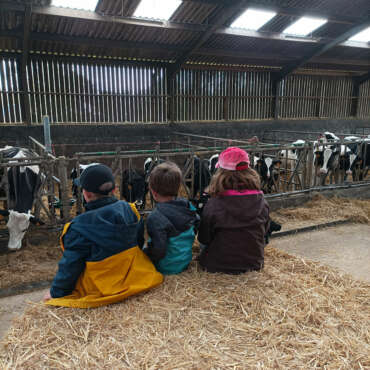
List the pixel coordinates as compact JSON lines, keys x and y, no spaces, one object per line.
{"x":323,"y":48}
{"x":95,"y":17}
{"x":279,"y":57}
{"x":88,"y":41}
{"x":221,"y":17}
{"x":117,"y":44}
{"x":361,"y":79}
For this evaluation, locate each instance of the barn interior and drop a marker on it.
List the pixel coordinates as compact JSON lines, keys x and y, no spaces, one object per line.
{"x":118,"y":81}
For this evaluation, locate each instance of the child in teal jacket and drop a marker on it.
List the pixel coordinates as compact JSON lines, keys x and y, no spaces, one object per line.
{"x":172,"y":222}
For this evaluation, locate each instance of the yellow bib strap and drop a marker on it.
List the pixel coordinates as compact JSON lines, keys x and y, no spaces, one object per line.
{"x":134,"y":209}
{"x":65,"y":229}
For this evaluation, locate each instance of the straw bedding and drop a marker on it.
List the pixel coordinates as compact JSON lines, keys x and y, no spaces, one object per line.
{"x":294,"y":314}
{"x":38,"y":259}
{"x":321,"y":210}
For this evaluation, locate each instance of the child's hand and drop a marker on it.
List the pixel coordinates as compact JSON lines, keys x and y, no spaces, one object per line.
{"x":47,"y":296}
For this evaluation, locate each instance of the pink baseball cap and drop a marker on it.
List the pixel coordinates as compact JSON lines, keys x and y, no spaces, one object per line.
{"x":231,"y":157}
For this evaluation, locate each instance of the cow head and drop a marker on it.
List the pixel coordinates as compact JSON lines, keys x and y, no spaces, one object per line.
{"x":17,"y":225}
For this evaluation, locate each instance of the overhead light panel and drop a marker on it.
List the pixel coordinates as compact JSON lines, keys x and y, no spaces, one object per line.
{"x":73,"y":4}
{"x":253,"y":19}
{"x":363,"y":36}
{"x":305,"y":26}
{"x":156,"y":9}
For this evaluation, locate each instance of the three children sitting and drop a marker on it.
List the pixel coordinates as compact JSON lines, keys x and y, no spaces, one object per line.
{"x":103,"y":261}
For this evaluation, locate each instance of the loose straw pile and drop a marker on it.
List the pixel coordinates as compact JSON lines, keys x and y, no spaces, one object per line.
{"x":322,"y":210}
{"x":293,"y":314}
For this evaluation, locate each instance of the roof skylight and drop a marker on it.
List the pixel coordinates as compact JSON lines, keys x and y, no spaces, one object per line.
{"x":157,"y":9}
{"x":304,"y":26}
{"x":363,"y":36}
{"x":253,"y":19}
{"x":81,"y":4}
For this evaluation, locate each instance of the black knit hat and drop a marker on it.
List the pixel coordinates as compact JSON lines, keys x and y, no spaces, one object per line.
{"x":93,"y":177}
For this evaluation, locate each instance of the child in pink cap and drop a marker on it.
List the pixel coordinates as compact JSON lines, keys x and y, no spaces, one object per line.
{"x":236,"y":218}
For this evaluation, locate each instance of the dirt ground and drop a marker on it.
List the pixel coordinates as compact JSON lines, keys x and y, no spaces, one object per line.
{"x":37,"y":260}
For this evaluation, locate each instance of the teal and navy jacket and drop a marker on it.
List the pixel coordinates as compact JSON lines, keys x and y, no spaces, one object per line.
{"x":171,"y":227}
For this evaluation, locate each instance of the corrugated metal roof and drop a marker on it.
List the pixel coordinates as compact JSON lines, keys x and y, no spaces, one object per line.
{"x":66,"y":48}
{"x":189,"y":12}
{"x":110,"y":31}
{"x":166,"y":41}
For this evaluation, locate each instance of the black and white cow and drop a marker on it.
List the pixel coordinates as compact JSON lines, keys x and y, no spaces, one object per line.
{"x":23,"y":181}
{"x":329,"y":137}
{"x":359,"y":159}
{"x":135,"y":182}
{"x":202,"y":174}
{"x":17,"y":224}
{"x":268,"y":169}
{"x":212,"y":164}
{"x":74,"y":176}
{"x":322,"y":155}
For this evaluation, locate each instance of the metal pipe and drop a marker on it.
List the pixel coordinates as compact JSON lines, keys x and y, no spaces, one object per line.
{"x":47,"y":136}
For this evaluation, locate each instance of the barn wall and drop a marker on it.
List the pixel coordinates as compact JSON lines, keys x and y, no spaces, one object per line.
{"x":114,"y":92}
{"x":72,"y":138}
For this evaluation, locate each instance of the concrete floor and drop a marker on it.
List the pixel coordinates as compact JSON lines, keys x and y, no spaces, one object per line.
{"x":345,"y":247}
{"x":10,"y":307}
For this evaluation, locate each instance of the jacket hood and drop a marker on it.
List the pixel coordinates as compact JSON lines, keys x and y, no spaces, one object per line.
{"x":115,"y":227}
{"x":179,"y":212}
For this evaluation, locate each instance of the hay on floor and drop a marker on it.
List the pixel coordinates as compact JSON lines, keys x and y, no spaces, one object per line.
{"x":321,"y":210}
{"x":294,"y":314}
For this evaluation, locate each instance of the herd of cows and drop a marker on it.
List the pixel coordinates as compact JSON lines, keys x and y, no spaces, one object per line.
{"x":331,"y":157}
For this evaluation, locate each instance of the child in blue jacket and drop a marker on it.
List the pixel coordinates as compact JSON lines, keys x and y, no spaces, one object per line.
{"x":172,"y":222}
{"x":102,"y":259}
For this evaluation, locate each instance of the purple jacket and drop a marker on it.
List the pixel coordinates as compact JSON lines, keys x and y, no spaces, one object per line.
{"x":233,"y":227}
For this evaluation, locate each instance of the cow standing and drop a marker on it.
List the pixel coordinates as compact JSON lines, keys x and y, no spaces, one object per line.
{"x":360,"y":164}
{"x":202,"y":174}
{"x":268,"y":169}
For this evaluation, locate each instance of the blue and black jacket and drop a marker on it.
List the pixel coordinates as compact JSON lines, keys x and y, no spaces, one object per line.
{"x":108,"y":227}
{"x":171,"y":227}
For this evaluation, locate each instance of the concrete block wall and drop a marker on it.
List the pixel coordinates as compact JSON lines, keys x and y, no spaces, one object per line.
{"x":91,"y":137}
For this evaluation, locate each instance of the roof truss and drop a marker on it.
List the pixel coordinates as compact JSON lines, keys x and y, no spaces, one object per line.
{"x":322,"y":49}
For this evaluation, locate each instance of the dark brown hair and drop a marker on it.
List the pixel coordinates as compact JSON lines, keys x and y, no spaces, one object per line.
{"x":224,"y":180}
{"x":165,"y":179}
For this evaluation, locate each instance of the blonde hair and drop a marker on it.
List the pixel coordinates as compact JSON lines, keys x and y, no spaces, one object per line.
{"x":224,"y":180}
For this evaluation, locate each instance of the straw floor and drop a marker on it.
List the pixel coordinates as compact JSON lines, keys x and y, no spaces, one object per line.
{"x":321,"y":210}
{"x":294,"y":314}
{"x":37,"y":260}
